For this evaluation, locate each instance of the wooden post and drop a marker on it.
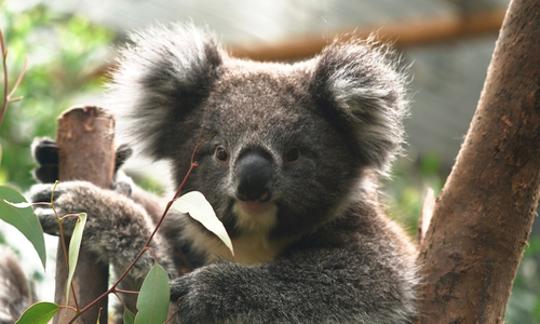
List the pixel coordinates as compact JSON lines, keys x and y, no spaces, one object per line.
{"x":85,"y":140}
{"x":483,"y":218}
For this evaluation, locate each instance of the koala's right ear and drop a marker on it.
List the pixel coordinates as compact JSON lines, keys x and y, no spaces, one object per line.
{"x":162,"y":76}
{"x":360,"y":88}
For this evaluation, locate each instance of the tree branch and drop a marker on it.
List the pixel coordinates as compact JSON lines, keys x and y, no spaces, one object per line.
{"x":483,"y":218}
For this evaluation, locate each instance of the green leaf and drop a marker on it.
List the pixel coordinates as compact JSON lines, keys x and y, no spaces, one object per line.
{"x":197,"y":207}
{"x":39,"y":313}
{"x":74,"y":248}
{"x":23,"y":219}
{"x":153,"y":299}
{"x":0,"y":154}
{"x":129,"y":317}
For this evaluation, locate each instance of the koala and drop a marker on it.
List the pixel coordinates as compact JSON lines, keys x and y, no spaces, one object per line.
{"x":289,"y":155}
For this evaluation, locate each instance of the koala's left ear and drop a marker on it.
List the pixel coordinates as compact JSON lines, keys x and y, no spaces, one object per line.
{"x":359,"y":86}
{"x":162,"y":77}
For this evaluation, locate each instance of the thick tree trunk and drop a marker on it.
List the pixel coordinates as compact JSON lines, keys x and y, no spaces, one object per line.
{"x":483,"y":218}
{"x":86,"y":147}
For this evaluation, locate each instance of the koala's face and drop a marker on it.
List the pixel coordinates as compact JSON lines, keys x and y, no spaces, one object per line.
{"x":271,"y":161}
{"x":280,"y":146}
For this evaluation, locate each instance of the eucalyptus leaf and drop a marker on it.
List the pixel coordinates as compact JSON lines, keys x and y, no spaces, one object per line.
{"x":197,"y":207}
{"x":23,"y":219}
{"x":154,"y":296}
{"x":74,"y":248}
{"x":39,"y":313}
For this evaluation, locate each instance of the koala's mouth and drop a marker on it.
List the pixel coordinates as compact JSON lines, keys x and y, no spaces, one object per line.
{"x":254,"y":207}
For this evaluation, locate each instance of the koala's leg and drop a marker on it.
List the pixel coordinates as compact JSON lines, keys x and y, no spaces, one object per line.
{"x":116,"y":230}
{"x":334,"y":286}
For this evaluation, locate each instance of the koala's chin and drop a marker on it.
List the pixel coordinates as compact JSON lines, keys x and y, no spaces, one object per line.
{"x":255,"y":216}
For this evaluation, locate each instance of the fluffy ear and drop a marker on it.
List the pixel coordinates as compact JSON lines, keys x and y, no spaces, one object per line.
{"x":358,"y":86}
{"x":162,"y":76}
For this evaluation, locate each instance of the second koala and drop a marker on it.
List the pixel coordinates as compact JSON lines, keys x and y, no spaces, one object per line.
{"x":288,"y":154}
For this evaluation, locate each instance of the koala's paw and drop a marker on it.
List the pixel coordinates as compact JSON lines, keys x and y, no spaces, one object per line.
{"x":196,"y":297}
{"x":72,"y":197}
{"x":45,"y":153}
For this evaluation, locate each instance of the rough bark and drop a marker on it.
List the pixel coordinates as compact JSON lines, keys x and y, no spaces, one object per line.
{"x":482,"y":220}
{"x":85,"y":139}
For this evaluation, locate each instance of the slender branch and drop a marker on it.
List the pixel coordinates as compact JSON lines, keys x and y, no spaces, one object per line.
{"x":18,"y":81}
{"x":5,"y":100}
{"x":67,"y":307}
{"x":7,"y":95}
{"x":125,"y":291}
{"x":193,"y":164}
{"x":173,"y":315}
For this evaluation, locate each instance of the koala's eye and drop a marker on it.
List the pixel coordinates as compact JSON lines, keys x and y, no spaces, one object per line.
{"x":221,"y":154}
{"x":292,"y":155}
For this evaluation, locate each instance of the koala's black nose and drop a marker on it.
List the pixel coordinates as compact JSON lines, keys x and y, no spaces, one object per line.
{"x":254,"y":176}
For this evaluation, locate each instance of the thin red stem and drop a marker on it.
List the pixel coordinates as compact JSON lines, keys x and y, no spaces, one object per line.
{"x":7,"y":96}
{"x":5,"y":100}
{"x":18,"y":81}
{"x":126,"y":291}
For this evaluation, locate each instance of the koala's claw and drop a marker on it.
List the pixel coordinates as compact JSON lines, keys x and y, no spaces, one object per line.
{"x":45,"y":153}
{"x":42,"y":193}
{"x":49,"y":223}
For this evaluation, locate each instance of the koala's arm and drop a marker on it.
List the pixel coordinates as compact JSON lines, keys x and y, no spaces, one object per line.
{"x":116,"y":230}
{"x":153,"y":204}
{"x":45,"y":153}
{"x":312,"y":286}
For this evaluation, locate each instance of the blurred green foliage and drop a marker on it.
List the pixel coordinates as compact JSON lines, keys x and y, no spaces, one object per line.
{"x":63,"y":51}
{"x":407,"y":187}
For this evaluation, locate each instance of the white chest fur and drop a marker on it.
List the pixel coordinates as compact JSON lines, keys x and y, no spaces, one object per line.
{"x":251,"y":246}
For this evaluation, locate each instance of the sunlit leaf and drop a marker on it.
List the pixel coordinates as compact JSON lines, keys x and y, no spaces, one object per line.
{"x":129,"y":317}
{"x":23,"y":219}
{"x":197,"y":207}
{"x":153,"y":299}
{"x":39,"y":313}
{"x":74,"y":248}
{"x":19,"y":205}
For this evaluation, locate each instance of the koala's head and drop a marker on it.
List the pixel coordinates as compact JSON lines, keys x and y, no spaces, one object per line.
{"x":280,"y":146}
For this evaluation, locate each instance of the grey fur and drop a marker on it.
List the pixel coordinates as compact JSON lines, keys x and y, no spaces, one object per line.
{"x":369,"y":91}
{"x":322,"y":250}
{"x":15,"y":292}
{"x":159,"y":79}
{"x":114,"y":224}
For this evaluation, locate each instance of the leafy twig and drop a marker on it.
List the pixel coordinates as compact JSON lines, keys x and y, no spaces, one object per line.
{"x":146,"y":246}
